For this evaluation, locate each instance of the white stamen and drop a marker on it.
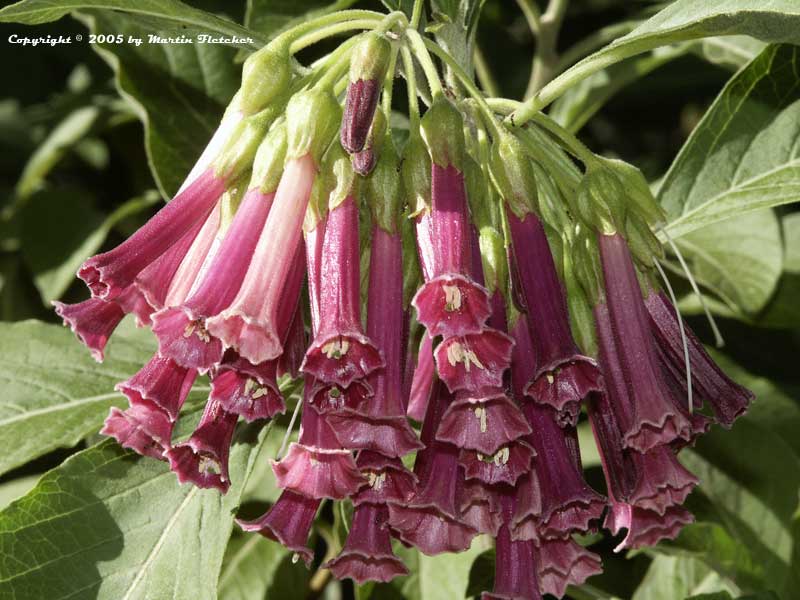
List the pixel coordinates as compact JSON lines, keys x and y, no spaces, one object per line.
{"x":452,"y":298}
{"x":480,"y":412}
{"x":336,"y":349}
{"x":457,"y":353}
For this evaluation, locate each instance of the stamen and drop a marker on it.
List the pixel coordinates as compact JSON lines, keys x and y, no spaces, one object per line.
{"x":452,"y":298}
{"x":208,"y":465}
{"x":336,"y":349}
{"x":480,"y":412}
{"x":457,"y":353}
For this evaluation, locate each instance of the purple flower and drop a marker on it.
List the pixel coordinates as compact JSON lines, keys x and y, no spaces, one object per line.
{"x":144,"y":428}
{"x":387,"y":481}
{"x":161,"y":382}
{"x":367,"y":554}
{"x":506,"y":465}
{"x":203,"y":458}
{"x":248,"y":390}
{"x":474,"y":362}
{"x":181,"y":330}
{"x":645,"y":527}
{"x":422,"y":381}
{"x":109,"y":273}
{"x":480,"y":505}
{"x":728,"y":399}
{"x":634,"y":380}
{"x":563,"y":562}
{"x":93,"y":321}
{"x":568,"y":504}
{"x":295,"y":346}
{"x":563,"y":376}
{"x":341,"y":352}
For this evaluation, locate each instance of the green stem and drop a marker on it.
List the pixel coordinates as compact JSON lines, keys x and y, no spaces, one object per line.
{"x":411,"y":84}
{"x":292,"y":34}
{"x":329,"y":31}
{"x":484,"y":73}
{"x":388,"y":88}
{"x":416,"y":14}
{"x":546,"y":58}
{"x":532,"y":15}
{"x":468,"y":84}
{"x":424,"y":58}
{"x":592,"y":42}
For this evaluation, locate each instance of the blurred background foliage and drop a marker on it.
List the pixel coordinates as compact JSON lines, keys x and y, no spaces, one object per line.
{"x":94,"y":137}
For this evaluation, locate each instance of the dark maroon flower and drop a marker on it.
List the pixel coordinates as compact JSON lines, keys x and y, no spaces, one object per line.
{"x":480,"y":505}
{"x":422,"y":381}
{"x":250,"y":391}
{"x":568,"y":504}
{"x":379,"y":423}
{"x":144,"y":428}
{"x":638,"y":393}
{"x":288,"y":522}
{"x":203,"y":458}
{"x":728,"y":399}
{"x":161,"y":382}
{"x":341,"y":352}
{"x":563,"y":376}
{"x":329,"y":398}
{"x":387,"y":481}
{"x":451,"y":302}
{"x":294,"y":348}
{"x":506,"y":465}
{"x":474,"y":362}
{"x":645,"y":527}
{"x":181,"y":330}
{"x":482,"y":422}
{"x":563,"y":562}
{"x":109,"y":273}
{"x":431,"y":519}
{"x":93,"y":321}
{"x":367,"y":554}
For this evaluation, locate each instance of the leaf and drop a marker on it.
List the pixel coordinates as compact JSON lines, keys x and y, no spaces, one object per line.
{"x":445,"y":577}
{"x":270,"y":17}
{"x":741,"y":259}
{"x":109,"y":525}
{"x":672,"y":577}
{"x":684,"y":20}
{"x":16,"y":488}
{"x":54,"y":393}
{"x":255,"y":568}
{"x":583,"y":100}
{"x":791,"y":241}
{"x":743,"y":155}
{"x":729,"y":51}
{"x":73,"y":231}
{"x":178,"y":91}
{"x":167,"y":13}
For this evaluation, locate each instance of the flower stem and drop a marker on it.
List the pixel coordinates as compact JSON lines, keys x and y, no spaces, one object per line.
{"x":484,"y":73}
{"x":329,"y":31}
{"x":411,"y":84}
{"x":388,"y":88}
{"x":425,"y":60}
{"x":291,"y":35}
{"x":545,"y":58}
{"x":416,"y":14}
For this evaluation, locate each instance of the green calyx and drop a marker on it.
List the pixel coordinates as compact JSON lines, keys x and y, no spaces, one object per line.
{"x":229,"y":204}
{"x":240,"y":150}
{"x":266,"y":74}
{"x":551,"y":203}
{"x":513,"y":175}
{"x":416,"y":172}
{"x":494,"y":259}
{"x":442,"y":128}
{"x":599,"y":201}
{"x":324,"y":184}
{"x":412,"y":272}
{"x":269,"y":160}
{"x":581,"y":315}
{"x":370,"y":58}
{"x":313,"y":118}
{"x":483,"y":204}
{"x":383,"y":189}
{"x":640,"y":199}
{"x":644,"y":245}
{"x":585,"y":266}
{"x":344,"y":177}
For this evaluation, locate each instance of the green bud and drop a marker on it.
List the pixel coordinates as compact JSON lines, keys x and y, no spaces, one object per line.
{"x":269,"y":159}
{"x":493,"y":258}
{"x":638,"y":191}
{"x":266,"y":74}
{"x":643,"y":243}
{"x":581,"y":315}
{"x":416,"y":171}
{"x":370,"y":58}
{"x":513,"y":175}
{"x":240,"y":150}
{"x":312,"y":122}
{"x":343,"y":175}
{"x":383,"y":189}
{"x":442,"y":129}
{"x":598,"y":202}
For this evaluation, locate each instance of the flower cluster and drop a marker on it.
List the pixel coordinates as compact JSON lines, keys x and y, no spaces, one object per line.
{"x":505,"y":296}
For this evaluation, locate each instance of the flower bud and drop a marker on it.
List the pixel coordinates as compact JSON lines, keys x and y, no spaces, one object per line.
{"x":364,"y":161}
{"x":442,"y":129}
{"x":368,"y":65}
{"x":238,"y":154}
{"x":513,"y":175}
{"x":416,"y":173}
{"x":637,"y":190}
{"x":269,"y":159}
{"x":599,"y":201}
{"x":265,"y":75}
{"x":643,"y":244}
{"x":312,"y":118}
{"x":383,"y":189}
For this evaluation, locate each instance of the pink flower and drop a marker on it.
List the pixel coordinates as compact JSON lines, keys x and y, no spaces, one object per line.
{"x":474,"y":362}
{"x":250,"y":391}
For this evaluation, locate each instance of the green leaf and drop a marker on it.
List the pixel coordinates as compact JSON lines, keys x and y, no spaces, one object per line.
{"x":54,"y":393}
{"x":270,"y":17}
{"x":743,"y":154}
{"x":729,"y":51}
{"x":109,"y":525}
{"x":16,"y":488}
{"x":165,"y":13}
{"x":74,"y":230}
{"x":672,"y":577}
{"x":255,"y":568}
{"x":740,"y":259}
{"x":178,"y":91}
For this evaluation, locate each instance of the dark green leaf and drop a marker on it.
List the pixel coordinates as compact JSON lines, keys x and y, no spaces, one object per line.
{"x":671,"y":577}
{"x":270,"y":17}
